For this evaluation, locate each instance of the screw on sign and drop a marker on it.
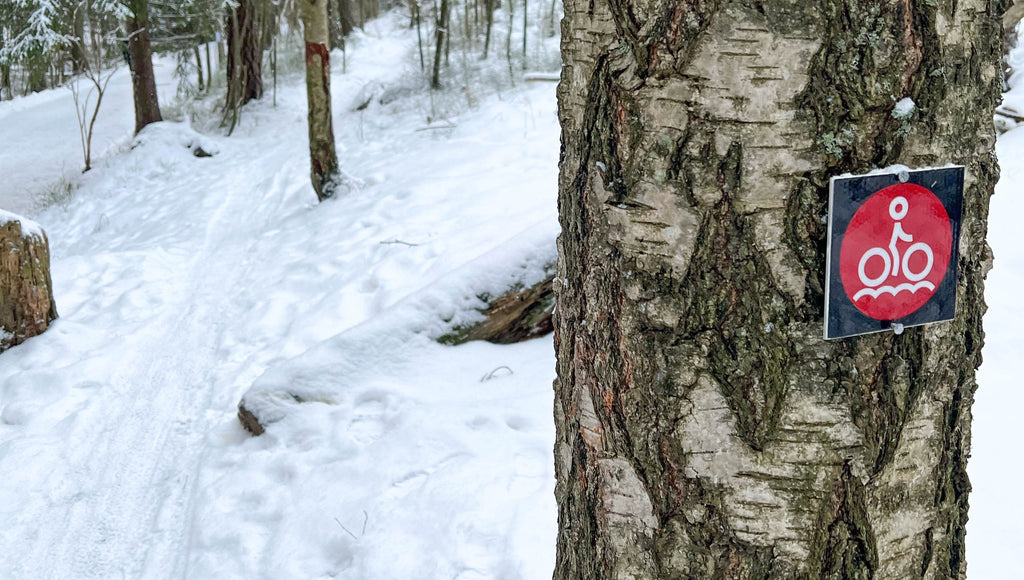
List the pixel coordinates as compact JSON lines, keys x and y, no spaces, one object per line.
{"x":896,"y":235}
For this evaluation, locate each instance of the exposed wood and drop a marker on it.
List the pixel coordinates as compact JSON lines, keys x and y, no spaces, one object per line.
{"x":513,"y":317}
{"x":249,"y":421}
{"x":26,"y":292}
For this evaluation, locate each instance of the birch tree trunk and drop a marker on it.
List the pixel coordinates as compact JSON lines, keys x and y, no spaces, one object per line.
{"x":147,"y":107}
{"x":704,"y":427}
{"x":323,"y":159}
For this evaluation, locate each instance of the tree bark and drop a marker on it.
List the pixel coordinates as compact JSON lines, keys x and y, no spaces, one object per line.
{"x":440,"y":33}
{"x":209,"y":67}
{"x":704,"y":427}
{"x":345,"y":17}
{"x":147,"y":107}
{"x":37,"y":67}
{"x":334,"y":24}
{"x":200,"y":84}
{"x":489,"y":8}
{"x":323,"y":159}
{"x":5,"y":82}
{"x":26,"y":292}
{"x":79,"y":59}
{"x":245,"y":57}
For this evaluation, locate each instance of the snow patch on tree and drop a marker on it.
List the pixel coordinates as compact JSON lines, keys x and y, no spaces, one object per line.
{"x":904,"y":109}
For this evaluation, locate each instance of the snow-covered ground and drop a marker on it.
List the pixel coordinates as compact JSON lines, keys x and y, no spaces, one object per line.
{"x":180,"y":280}
{"x":41,"y":144}
{"x":184,"y":283}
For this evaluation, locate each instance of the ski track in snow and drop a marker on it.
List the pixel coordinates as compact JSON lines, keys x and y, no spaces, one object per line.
{"x":129,"y":454}
{"x":179,"y":281}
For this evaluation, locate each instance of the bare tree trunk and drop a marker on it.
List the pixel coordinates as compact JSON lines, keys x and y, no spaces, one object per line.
{"x":415,"y":6}
{"x":147,"y":107}
{"x":5,"y":82}
{"x":334,"y":24}
{"x":441,"y":32}
{"x":345,"y":16}
{"x":525,"y":23}
{"x":489,"y":7}
{"x":704,"y":427}
{"x":324,"y":173}
{"x":199,"y":68}
{"x":79,"y":61}
{"x":209,"y":66}
{"x":508,"y":39}
{"x":36,"y":67}
{"x":245,"y":58}
{"x":551,"y":19}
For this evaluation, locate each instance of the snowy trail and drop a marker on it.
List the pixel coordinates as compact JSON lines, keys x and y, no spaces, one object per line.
{"x":179,"y":281}
{"x":138,"y":452}
{"x":156,"y":437}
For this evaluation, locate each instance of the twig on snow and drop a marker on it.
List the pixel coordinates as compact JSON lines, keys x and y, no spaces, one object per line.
{"x":346,"y":529}
{"x":491,"y":374}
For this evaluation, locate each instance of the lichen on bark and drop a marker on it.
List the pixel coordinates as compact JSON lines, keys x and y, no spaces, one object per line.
{"x":698,"y":141}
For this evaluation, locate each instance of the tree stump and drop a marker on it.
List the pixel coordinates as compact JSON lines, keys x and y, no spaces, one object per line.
{"x":26,"y":292}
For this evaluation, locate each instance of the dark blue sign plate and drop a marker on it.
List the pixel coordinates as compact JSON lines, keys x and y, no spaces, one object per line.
{"x":893,"y":242}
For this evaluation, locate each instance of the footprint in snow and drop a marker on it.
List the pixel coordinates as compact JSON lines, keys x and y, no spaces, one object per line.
{"x":368,"y":417}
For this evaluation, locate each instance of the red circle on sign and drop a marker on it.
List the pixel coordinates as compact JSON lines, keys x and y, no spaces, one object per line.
{"x":895,"y":251}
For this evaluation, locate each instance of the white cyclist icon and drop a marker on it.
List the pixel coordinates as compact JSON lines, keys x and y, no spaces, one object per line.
{"x":893,"y":262}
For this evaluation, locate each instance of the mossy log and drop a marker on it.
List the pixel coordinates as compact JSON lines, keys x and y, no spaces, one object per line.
{"x":26,"y":292}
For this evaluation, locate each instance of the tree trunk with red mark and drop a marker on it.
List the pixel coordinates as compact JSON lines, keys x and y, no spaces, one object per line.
{"x":704,"y":427}
{"x":323,"y":159}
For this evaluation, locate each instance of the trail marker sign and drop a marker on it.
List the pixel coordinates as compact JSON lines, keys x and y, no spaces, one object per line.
{"x":893,"y":242}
